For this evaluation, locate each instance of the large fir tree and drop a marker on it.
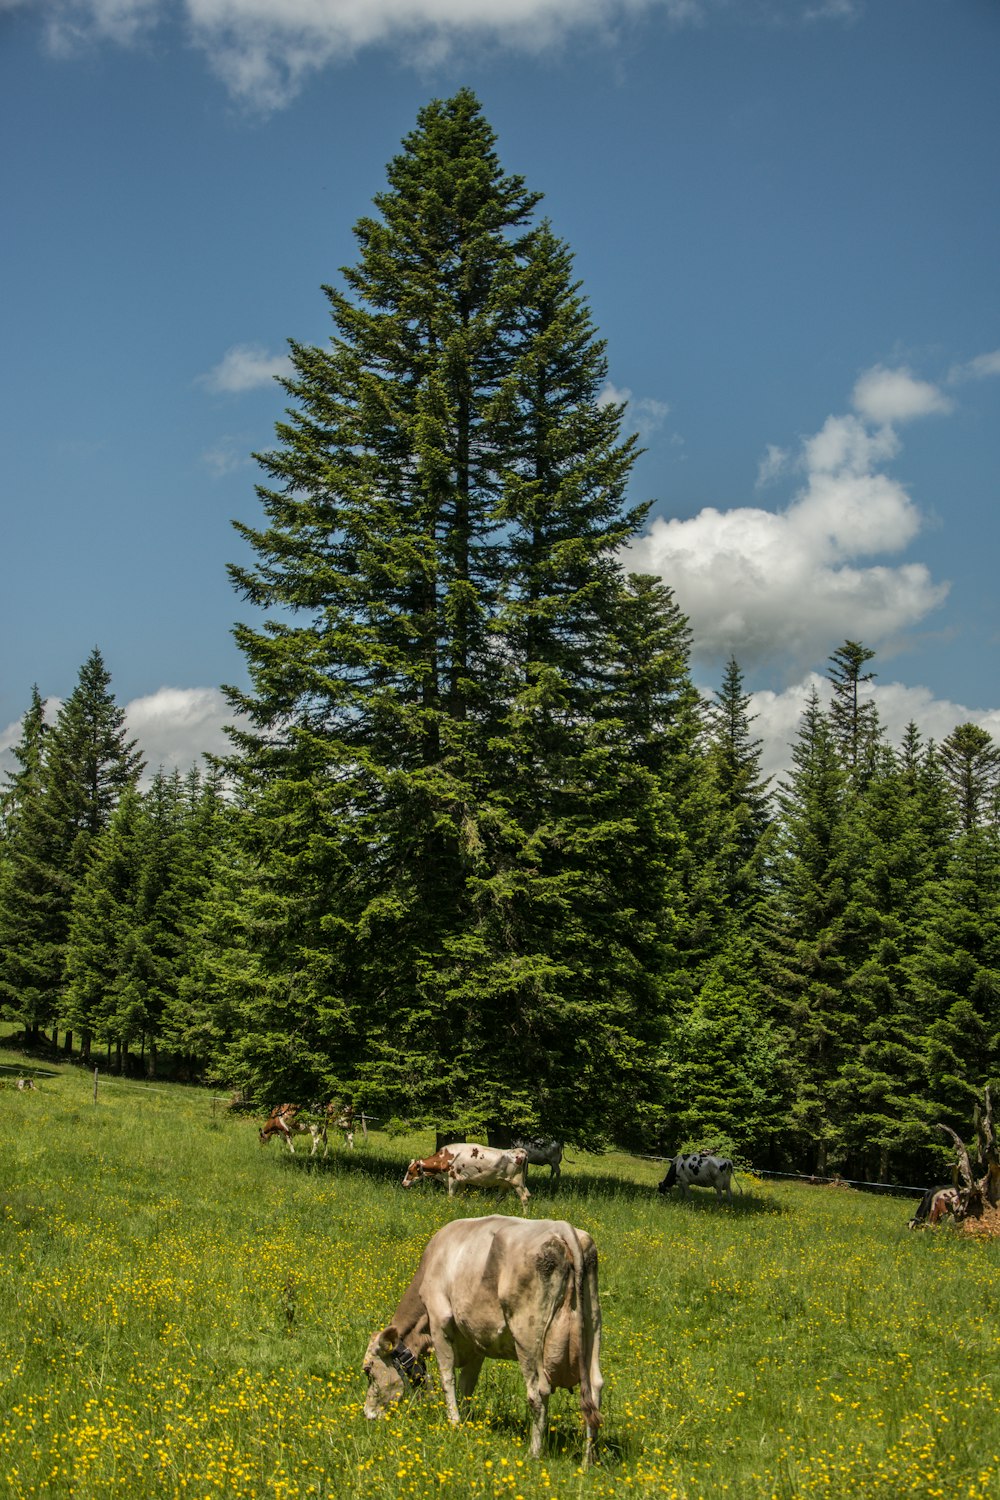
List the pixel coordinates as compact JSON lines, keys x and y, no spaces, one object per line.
{"x":457,"y":808}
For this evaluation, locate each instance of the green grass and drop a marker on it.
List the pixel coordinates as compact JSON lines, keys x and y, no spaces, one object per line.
{"x":183,"y":1313}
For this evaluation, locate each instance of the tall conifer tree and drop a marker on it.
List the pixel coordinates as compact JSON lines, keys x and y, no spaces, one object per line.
{"x":446,"y":773}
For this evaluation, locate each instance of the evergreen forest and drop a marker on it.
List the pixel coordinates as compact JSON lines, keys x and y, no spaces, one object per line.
{"x":481,"y":856}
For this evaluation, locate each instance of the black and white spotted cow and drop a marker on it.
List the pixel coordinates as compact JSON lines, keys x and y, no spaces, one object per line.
{"x":700,"y":1169}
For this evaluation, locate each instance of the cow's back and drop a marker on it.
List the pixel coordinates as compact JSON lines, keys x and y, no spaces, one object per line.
{"x":497,"y":1277}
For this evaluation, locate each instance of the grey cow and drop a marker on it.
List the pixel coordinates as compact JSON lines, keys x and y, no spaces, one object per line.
{"x":543,"y":1153}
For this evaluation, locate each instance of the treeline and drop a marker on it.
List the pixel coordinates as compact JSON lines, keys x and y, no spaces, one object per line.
{"x":481,"y":856}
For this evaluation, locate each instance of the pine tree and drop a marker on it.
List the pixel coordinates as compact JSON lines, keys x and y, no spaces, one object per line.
{"x":898,"y":841}
{"x":805,"y":932}
{"x":970,"y":759}
{"x":102,"y":919}
{"x":955,"y":973}
{"x":744,"y":801}
{"x":192,"y":1020}
{"x":88,"y":762}
{"x":459,"y":865}
{"x":853,"y":717}
{"x":24,"y":994}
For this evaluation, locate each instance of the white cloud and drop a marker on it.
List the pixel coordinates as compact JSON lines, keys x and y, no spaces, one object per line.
{"x":979,"y":368}
{"x":176,"y":726}
{"x":883,"y":395}
{"x":777,"y":716}
{"x":774,"y":462}
{"x":226,"y":457}
{"x":264,"y":50}
{"x":780,"y":586}
{"x":644,"y":412}
{"x":73,"y":24}
{"x":245,"y":367}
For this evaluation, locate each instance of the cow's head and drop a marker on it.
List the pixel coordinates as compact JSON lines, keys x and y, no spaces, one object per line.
{"x":414,"y":1173}
{"x":670,"y":1179}
{"x":385,"y":1381}
{"x":388,"y":1366}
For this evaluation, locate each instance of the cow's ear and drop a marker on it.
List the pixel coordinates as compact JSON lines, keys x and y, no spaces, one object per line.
{"x":387,"y":1340}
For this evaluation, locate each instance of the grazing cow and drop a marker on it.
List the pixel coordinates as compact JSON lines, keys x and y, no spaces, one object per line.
{"x":497,"y":1288}
{"x":935,"y":1205}
{"x":466,"y":1165}
{"x":542,"y":1153}
{"x":699,"y":1170}
{"x":285,"y":1122}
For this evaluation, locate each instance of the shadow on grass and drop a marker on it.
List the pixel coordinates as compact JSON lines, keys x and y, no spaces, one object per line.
{"x":26,"y":1070}
{"x":554,"y":1198}
{"x":701,"y":1201}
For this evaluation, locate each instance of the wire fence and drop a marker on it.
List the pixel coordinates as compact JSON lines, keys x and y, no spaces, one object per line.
{"x":886,"y":1188}
{"x":363,"y":1121}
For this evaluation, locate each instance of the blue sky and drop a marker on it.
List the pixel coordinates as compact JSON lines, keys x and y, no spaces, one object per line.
{"x":785,"y":214}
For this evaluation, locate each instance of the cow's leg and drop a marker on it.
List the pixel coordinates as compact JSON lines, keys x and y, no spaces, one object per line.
{"x":556,"y":1171}
{"x":349,"y":1139}
{"x":314,"y":1131}
{"x":468,"y":1374}
{"x":538,"y":1405}
{"x":446,"y":1369}
{"x":537,"y":1388}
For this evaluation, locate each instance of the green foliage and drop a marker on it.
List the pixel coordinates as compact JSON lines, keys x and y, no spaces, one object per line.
{"x":470,"y":728}
{"x":71,"y":778}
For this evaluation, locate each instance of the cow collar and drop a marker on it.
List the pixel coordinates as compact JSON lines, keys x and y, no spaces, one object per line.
{"x":408,"y":1364}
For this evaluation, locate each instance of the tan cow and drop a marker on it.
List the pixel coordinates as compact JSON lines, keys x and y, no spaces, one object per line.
{"x":498,"y":1288}
{"x":466,"y":1165}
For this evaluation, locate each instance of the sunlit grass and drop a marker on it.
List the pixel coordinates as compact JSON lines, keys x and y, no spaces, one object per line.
{"x":183,"y":1313}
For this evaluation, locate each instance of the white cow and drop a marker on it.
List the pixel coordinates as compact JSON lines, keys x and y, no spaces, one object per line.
{"x":497,"y":1288}
{"x":468,"y":1165}
{"x":700,"y":1169}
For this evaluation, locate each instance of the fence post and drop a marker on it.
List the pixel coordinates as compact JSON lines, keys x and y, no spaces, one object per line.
{"x":95,"y":1085}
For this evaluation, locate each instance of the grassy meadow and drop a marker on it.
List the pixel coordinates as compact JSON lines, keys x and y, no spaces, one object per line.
{"x":184,"y":1314}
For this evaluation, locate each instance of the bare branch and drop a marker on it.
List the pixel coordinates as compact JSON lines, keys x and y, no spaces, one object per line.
{"x":964,"y":1164}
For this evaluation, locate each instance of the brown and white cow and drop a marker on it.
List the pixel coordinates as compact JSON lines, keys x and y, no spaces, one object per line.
{"x":936,"y":1204}
{"x":286,"y":1121}
{"x":497,"y":1288}
{"x":468,"y":1165}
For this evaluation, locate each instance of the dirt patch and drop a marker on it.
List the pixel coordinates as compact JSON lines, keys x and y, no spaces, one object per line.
{"x":986,"y":1227}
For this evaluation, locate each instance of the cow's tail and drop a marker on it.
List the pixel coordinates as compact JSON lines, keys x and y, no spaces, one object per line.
{"x":586,"y":1329}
